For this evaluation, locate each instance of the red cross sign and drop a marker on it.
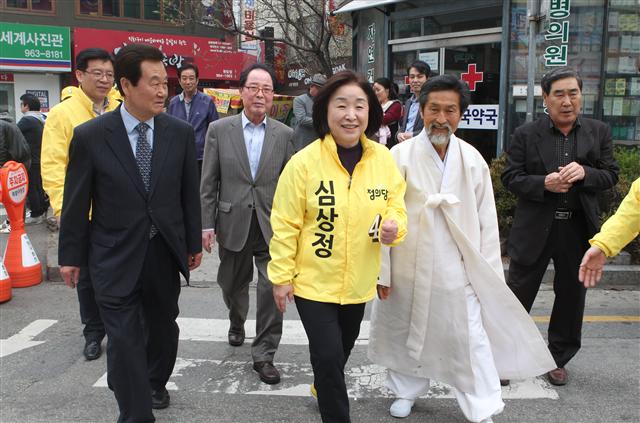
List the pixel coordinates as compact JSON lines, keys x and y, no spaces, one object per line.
{"x":471,"y":77}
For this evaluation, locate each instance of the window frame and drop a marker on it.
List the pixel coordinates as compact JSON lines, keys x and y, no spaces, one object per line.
{"x":122,"y":18}
{"x":29,"y":10}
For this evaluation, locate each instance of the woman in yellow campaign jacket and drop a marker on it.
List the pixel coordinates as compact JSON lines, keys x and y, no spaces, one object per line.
{"x":619,"y":230}
{"x":337,"y":200}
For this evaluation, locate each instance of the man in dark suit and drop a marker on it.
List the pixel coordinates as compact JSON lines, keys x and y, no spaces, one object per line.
{"x":411,"y":123}
{"x":556,"y":167}
{"x":243,"y":158}
{"x":135,"y":168}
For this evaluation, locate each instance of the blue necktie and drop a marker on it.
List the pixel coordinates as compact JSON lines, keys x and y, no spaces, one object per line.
{"x":143,"y":159}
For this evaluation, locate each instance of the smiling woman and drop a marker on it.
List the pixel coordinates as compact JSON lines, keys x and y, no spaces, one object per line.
{"x":337,"y":201}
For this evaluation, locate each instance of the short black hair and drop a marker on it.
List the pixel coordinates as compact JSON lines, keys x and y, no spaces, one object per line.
{"x":245,"y":73}
{"x":188,"y":66}
{"x":128,"y":62}
{"x":446,"y":83}
{"x":31,"y":101}
{"x":321,"y":102}
{"x":83,"y":58}
{"x":389,"y":85}
{"x":558,"y":73}
{"x":421,"y":66}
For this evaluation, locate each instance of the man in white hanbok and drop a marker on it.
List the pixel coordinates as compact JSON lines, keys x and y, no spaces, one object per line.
{"x":445,"y":311}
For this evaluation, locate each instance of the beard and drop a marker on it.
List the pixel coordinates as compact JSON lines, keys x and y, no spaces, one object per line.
{"x":439,"y":139}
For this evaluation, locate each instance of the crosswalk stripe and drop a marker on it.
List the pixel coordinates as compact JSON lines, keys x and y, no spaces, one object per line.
{"x":215,"y":330}
{"x":365,"y":381}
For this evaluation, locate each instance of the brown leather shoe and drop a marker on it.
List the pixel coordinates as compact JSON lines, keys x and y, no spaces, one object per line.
{"x":268,"y":373}
{"x":558,"y":377}
{"x":236,"y":337}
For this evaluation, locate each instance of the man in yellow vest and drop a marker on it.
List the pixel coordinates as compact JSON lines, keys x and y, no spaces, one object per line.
{"x":94,"y":71}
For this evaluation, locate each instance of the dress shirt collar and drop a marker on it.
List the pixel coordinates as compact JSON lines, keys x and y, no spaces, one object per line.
{"x":246,"y":121}
{"x":130,"y":122}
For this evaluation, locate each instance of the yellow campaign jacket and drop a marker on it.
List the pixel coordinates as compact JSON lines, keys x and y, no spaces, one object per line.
{"x":326,"y":223}
{"x":623,"y":226}
{"x":56,"y":137}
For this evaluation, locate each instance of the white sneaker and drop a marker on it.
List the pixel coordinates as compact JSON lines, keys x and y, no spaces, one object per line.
{"x":5,"y":227}
{"x":33,"y":220}
{"x":401,"y":408}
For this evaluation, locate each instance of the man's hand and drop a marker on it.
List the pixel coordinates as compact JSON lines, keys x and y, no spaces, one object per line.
{"x":208,"y":239}
{"x":403,"y":136}
{"x":193,"y":260}
{"x":383,"y":291}
{"x":389,"y":231}
{"x":591,"y":267}
{"x":282,"y":293}
{"x":555,"y":183}
{"x":571,"y":173}
{"x":70,"y":275}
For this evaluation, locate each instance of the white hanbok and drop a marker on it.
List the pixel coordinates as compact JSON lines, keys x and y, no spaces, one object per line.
{"x":450,"y":316}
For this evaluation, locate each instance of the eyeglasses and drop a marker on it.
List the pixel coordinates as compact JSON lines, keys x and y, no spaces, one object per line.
{"x":99,"y":74}
{"x":254,"y":89}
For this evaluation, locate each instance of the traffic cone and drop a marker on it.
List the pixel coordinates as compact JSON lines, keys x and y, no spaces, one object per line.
{"x":5,"y":284}
{"x":20,"y":258}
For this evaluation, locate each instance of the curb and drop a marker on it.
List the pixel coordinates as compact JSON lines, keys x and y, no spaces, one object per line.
{"x":615,"y":276}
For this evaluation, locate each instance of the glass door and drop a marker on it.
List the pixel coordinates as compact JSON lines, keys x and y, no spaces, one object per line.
{"x":479,"y":66}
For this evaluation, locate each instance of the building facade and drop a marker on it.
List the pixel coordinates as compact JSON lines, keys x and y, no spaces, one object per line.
{"x":37,"y":57}
{"x":486,"y":43}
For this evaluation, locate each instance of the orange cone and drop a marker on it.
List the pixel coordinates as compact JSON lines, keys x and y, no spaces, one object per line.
{"x":5,"y":284}
{"x":20,"y":259}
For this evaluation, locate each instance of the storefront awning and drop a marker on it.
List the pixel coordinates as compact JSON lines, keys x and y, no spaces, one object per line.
{"x":364,"y":4}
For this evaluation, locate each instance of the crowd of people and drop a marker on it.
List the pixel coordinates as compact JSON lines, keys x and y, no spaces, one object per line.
{"x":364,"y":199}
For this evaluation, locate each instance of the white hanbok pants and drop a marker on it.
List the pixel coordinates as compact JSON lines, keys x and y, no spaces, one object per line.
{"x":486,"y":400}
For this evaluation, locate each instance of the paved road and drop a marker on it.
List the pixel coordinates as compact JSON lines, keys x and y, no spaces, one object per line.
{"x":49,"y":380}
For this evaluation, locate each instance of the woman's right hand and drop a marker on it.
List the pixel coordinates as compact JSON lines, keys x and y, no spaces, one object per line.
{"x":282,"y":293}
{"x":383,"y":291}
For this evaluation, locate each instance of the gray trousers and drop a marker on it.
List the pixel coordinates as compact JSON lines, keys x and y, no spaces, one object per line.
{"x":234,"y":276}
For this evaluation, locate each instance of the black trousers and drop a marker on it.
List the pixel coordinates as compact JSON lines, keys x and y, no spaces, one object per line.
{"x":89,"y":311}
{"x":143,"y":334}
{"x":332,"y":330}
{"x":566,"y":245}
{"x":35,"y":195}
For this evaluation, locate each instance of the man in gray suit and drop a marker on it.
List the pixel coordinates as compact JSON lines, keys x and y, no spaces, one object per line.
{"x":243,"y":158}
{"x":304,"y":133}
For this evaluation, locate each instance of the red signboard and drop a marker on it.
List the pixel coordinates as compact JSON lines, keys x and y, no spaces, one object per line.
{"x":6,"y":77}
{"x":215,"y":59}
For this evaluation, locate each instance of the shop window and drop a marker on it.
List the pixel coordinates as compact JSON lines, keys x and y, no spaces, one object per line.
{"x":28,"y":5}
{"x":152,"y":10}
{"x":571,"y":38}
{"x":132,"y":9}
{"x":621,"y":100}
{"x":111,"y":8}
{"x":164,"y":11}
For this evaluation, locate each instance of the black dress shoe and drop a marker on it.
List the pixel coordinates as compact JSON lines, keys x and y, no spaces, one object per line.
{"x":236,"y":337}
{"x":558,"y":377}
{"x":505,"y":382}
{"x":92,"y":350}
{"x":268,"y":373}
{"x":159,"y":399}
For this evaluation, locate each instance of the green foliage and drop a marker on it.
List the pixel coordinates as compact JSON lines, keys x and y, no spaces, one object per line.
{"x":628,"y":159}
{"x":505,"y":200}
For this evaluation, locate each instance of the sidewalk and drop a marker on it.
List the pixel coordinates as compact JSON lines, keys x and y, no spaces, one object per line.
{"x":616,"y":276}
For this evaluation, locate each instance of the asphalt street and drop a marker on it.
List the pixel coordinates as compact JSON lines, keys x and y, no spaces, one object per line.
{"x":45,"y":378}
{"x":49,"y":380}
